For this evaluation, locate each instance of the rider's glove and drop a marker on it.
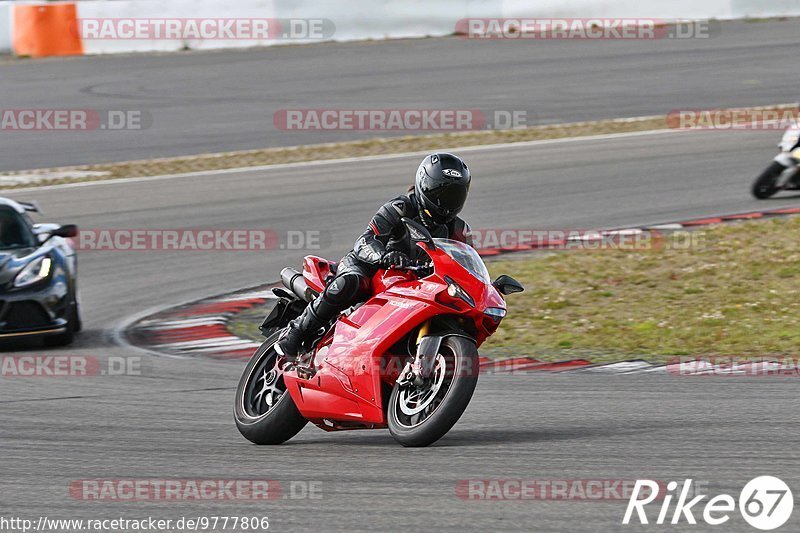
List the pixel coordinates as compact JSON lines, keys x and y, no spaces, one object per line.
{"x":395,"y":259}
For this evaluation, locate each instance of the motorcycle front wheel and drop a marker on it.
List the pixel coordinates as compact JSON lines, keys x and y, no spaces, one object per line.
{"x":419,"y":416}
{"x":265,"y":413}
{"x":765,"y":184}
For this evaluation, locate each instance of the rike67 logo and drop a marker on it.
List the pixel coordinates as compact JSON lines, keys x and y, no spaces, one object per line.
{"x":766,"y":503}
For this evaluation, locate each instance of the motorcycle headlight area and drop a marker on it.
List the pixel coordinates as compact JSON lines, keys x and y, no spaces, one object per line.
{"x":454,"y":290}
{"x":495,"y":312}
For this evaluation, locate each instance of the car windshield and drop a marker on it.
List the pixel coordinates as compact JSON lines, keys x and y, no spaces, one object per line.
{"x":466,"y":256}
{"x":14,"y":232}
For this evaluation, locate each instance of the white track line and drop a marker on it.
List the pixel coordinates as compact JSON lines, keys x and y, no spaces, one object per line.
{"x":262,"y":295}
{"x":382,"y":157}
{"x":620,"y":367}
{"x":222,"y":350}
{"x":213,"y":342}
{"x":665,"y":227}
{"x":180,"y":324}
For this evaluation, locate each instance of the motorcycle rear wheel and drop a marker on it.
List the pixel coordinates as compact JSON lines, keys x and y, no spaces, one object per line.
{"x":764,"y":186}
{"x":419,"y":416}
{"x":264,"y":412}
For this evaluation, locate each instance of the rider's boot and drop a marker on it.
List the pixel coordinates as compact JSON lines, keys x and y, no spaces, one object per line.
{"x":300,"y":329}
{"x":336,"y":297}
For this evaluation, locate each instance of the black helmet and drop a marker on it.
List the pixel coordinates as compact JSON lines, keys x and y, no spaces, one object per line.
{"x":441,"y":188}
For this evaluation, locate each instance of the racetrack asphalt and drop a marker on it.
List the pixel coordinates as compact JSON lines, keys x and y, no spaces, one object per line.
{"x":719,"y":432}
{"x":202,"y":102}
{"x":175,"y":421}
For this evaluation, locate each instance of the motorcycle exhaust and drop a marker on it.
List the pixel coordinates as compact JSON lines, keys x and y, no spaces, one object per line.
{"x":295,"y":282}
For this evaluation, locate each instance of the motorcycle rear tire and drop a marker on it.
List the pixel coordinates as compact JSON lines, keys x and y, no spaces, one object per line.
{"x":281,"y":422}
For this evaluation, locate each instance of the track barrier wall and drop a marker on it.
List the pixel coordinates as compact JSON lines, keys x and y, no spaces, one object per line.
{"x":39,"y":29}
{"x":5,"y":27}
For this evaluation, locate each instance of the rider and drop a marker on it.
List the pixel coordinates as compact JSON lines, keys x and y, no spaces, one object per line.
{"x":438,"y":195}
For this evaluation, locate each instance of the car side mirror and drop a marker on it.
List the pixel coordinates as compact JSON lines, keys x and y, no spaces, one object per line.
{"x":419,"y":233}
{"x":507,"y":285}
{"x":65,"y":231}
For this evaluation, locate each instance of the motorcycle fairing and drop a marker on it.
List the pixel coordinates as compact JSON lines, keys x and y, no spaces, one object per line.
{"x":316,"y":270}
{"x":351,"y":361}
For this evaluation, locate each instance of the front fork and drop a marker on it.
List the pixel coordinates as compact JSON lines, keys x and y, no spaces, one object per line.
{"x":417,"y":371}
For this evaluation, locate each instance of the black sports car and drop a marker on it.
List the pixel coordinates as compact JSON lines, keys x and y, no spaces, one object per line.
{"x":38,"y":274}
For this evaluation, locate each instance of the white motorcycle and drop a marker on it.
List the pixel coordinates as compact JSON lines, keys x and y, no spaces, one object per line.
{"x":782,"y":174}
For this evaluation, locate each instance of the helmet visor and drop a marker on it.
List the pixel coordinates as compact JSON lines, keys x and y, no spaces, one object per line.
{"x":446,"y":198}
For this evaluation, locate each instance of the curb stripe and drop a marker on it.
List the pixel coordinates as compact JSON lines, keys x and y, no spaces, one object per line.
{"x":558,"y":366}
{"x":201,"y":327}
{"x":744,"y":216}
{"x":221,"y":307}
{"x":702,"y":222}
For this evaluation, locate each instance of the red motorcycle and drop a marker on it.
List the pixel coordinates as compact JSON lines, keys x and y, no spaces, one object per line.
{"x":406,"y":359}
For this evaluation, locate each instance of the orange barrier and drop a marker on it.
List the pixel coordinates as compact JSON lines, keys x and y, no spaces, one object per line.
{"x":46,"y":30}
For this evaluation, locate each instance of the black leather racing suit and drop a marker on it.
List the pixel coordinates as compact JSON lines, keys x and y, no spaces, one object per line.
{"x":386,"y":232}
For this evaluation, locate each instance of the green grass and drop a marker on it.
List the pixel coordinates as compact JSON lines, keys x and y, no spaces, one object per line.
{"x":736,"y":293}
{"x":245,"y":324}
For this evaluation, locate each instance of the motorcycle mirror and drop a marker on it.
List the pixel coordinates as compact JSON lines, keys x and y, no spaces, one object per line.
{"x":507,"y":285}
{"x":419,"y":233}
